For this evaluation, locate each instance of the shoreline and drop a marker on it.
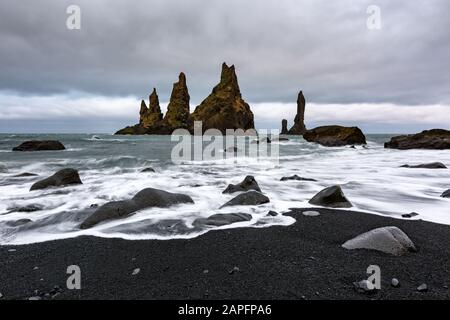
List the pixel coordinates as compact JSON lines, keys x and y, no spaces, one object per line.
{"x":302,"y":261}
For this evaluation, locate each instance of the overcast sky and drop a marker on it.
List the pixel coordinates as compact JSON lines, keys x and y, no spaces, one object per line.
{"x":396,"y":79}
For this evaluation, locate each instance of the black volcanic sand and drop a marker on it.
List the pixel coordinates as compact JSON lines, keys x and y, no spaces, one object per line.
{"x":302,"y":261}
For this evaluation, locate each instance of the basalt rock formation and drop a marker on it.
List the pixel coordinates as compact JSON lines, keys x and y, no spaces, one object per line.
{"x":299,"y":122}
{"x":224,"y":108}
{"x":177,"y":115}
{"x":335,"y":136}
{"x":284,"y":129}
{"x":37,"y":145}
{"x":429,"y":139}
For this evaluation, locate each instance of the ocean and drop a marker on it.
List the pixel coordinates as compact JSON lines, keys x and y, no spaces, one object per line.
{"x":110,"y":168}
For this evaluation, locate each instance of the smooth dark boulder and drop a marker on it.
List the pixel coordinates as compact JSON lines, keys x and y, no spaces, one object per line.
{"x":432,"y":165}
{"x":149,"y":169}
{"x":61,"y":178}
{"x":429,"y":139}
{"x":27,"y":208}
{"x":38,"y":145}
{"x":25,"y":174}
{"x":335,"y":136}
{"x":389,"y":240}
{"x":331,"y":197}
{"x":222,"y":219}
{"x":249,"y":183}
{"x":250,"y":198}
{"x":18,"y":223}
{"x":296,"y":177}
{"x":446,"y":194}
{"x":146,"y":198}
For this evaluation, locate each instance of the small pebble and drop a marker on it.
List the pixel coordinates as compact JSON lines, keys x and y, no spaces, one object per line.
{"x":205,"y":271}
{"x":1,"y":295}
{"x":36,"y":268}
{"x":422,"y":288}
{"x":12,"y":250}
{"x":235,"y":269}
{"x":136,"y":271}
{"x":34,"y":298}
{"x":395,"y":283}
{"x":311,"y":213}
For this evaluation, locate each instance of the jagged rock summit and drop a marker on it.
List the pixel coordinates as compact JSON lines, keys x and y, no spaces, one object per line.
{"x":223,"y":109}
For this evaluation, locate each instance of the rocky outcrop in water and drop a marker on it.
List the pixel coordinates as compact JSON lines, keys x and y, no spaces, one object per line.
{"x":284,"y":129}
{"x":389,"y":240}
{"x":37,"y":145}
{"x":177,"y":115}
{"x":335,"y":136}
{"x":299,"y":120}
{"x":224,"y":108}
{"x":332,"y":197}
{"x":432,"y":165}
{"x":250,"y":198}
{"x":249,"y":183}
{"x":428,"y":139}
{"x":61,"y":178}
{"x":146,"y":198}
{"x":446,"y":194}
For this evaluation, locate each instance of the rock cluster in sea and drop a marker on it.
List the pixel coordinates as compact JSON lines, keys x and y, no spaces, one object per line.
{"x":223,"y":109}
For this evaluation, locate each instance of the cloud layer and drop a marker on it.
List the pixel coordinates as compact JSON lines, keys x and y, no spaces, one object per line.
{"x":125,"y":48}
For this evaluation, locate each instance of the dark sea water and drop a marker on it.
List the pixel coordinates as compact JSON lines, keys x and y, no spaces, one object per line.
{"x":110,"y":166}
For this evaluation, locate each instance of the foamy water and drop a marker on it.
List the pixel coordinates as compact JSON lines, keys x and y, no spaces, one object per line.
{"x":110,"y":166}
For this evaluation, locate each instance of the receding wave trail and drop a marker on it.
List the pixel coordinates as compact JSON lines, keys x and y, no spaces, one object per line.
{"x":110,"y":169}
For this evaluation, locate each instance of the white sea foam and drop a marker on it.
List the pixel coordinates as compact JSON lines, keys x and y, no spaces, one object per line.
{"x":370,"y":177}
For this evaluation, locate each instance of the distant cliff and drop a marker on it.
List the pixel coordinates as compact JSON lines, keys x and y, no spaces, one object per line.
{"x":223,"y":109}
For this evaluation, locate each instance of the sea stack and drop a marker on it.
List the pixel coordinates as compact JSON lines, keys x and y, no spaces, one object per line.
{"x":224,"y":108}
{"x":299,"y":122}
{"x":149,"y":117}
{"x":284,"y":129}
{"x":177,"y":116}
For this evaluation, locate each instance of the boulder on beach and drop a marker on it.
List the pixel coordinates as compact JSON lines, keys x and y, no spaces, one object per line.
{"x":146,"y":198}
{"x":250,"y":198}
{"x":222,"y":219}
{"x":61,"y":178}
{"x":332,"y":197}
{"x":296,"y":177}
{"x":39,"y":145}
{"x":432,"y":165}
{"x":389,"y":240}
{"x":446,"y":194}
{"x":428,"y":139}
{"x":249,"y":183}
{"x":335,"y":136}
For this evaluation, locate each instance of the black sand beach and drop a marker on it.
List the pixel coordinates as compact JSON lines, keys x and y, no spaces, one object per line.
{"x":302,"y":261}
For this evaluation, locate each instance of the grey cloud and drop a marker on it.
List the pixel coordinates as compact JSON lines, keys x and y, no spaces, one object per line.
{"x":323,"y":47}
